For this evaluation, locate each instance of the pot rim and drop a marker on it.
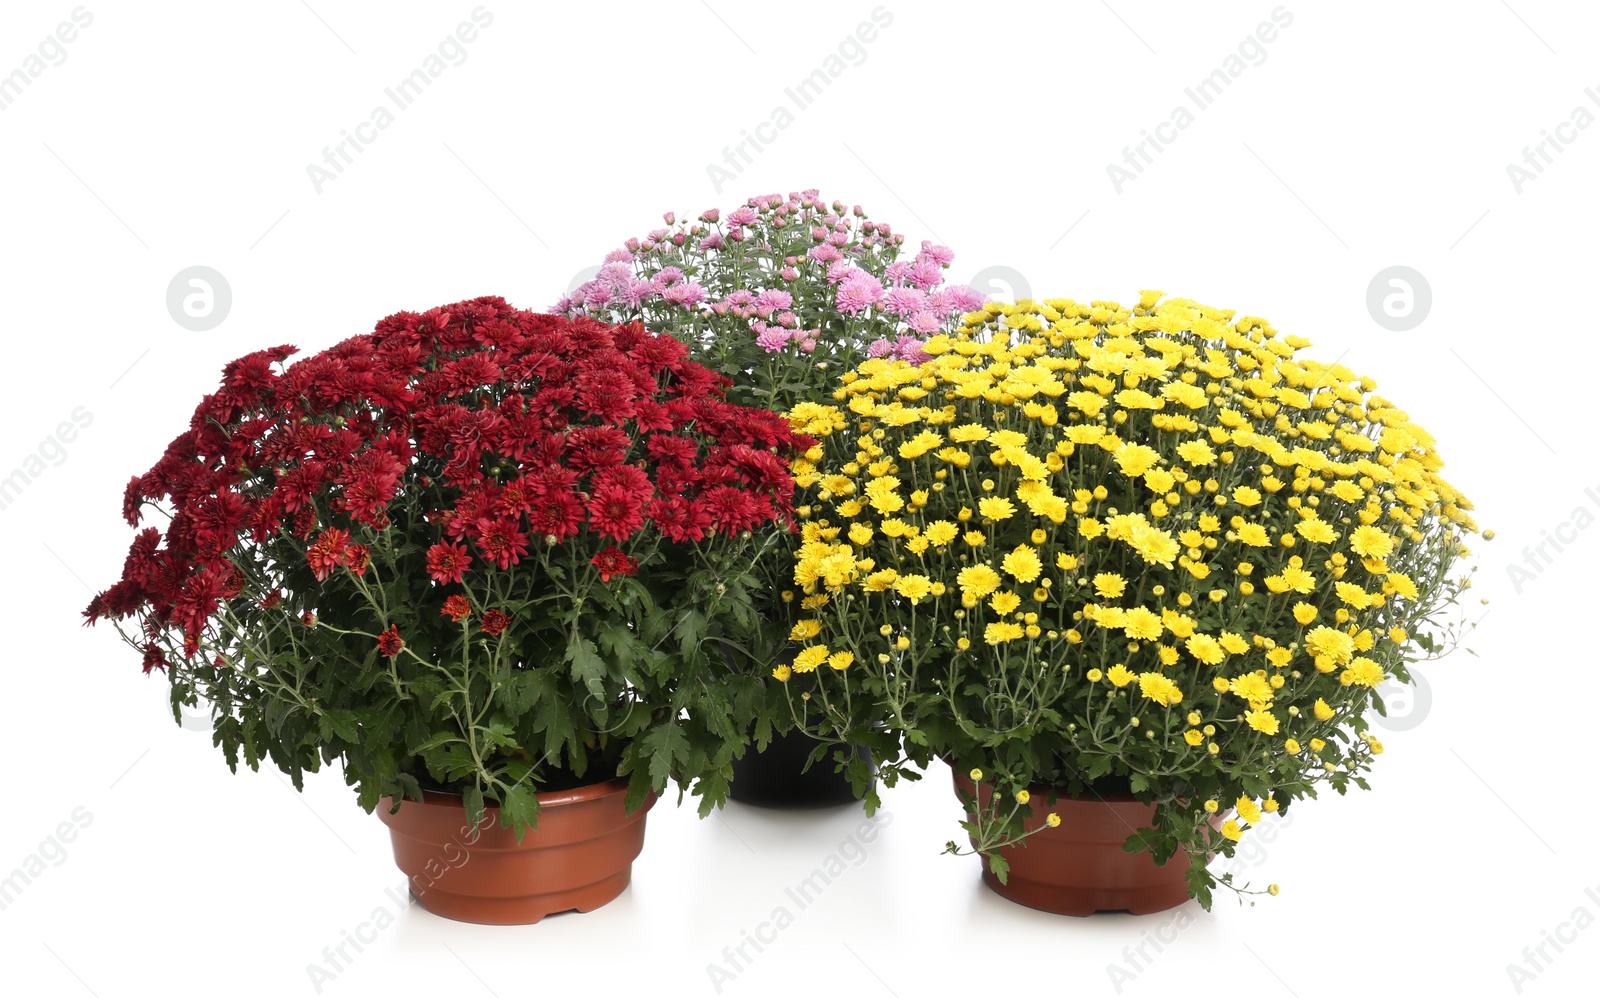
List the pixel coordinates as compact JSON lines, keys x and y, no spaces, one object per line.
{"x":549,"y":798}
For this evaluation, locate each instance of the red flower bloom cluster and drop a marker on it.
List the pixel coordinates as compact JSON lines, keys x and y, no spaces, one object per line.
{"x":513,"y":428}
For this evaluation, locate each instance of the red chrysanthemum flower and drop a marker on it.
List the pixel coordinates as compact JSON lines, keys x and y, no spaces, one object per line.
{"x":625,"y":477}
{"x":672,"y":449}
{"x":608,"y":395}
{"x":555,"y":514}
{"x":733,"y":510}
{"x":615,"y":512}
{"x":154,"y":657}
{"x":678,"y":520}
{"x":494,"y":622}
{"x":502,"y":543}
{"x":390,"y":643}
{"x":612,"y":561}
{"x":447,"y":562}
{"x":456,"y":607}
{"x":328,"y":553}
{"x":356,"y":558}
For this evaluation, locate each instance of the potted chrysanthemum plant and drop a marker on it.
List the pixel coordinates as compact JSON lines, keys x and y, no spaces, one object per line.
{"x":1134,"y":573}
{"x":482,"y":559}
{"x":782,"y":295}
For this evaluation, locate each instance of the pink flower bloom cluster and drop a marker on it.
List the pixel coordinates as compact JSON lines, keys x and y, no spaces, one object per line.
{"x":782,"y":294}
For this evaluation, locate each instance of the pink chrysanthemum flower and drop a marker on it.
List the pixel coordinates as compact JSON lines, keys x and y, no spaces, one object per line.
{"x":909,"y":349}
{"x":963,"y":298}
{"x":904,"y":301}
{"x":926,"y":274}
{"x":773,"y":340}
{"x":685,"y":293}
{"x":858,"y":291}
{"x":636,"y":293}
{"x":771,"y":300}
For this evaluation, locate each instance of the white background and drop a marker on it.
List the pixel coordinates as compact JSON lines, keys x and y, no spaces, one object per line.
{"x":1373,"y":134}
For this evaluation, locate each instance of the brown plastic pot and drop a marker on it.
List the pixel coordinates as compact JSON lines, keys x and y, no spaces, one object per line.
{"x":1079,"y":868}
{"x":580,"y":855}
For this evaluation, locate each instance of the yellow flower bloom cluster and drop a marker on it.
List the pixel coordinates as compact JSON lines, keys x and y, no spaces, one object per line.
{"x":1102,"y":514}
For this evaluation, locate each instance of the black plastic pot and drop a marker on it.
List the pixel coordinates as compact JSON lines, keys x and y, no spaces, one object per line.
{"x":774,"y":778}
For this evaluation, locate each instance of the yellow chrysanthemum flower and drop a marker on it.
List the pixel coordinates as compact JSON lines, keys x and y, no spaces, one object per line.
{"x":1263,"y":721}
{"x":1255,"y":535}
{"x":1331,"y":643}
{"x":913,"y":587}
{"x":978,"y":581}
{"x":1001,"y":632}
{"x":1022,"y":563}
{"x":880,"y":581}
{"x":1109,"y":585}
{"x":1155,"y":686}
{"x":996,"y":508}
{"x":1205,"y":649}
{"x":1370,"y":542}
{"x":1362,"y":672}
{"x":810,"y":657}
{"x":1142,"y":624}
{"x":1004,"y":603}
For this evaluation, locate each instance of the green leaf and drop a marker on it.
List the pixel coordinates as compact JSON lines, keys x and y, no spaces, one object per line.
{"x":472,"y":799}
{"x":588,"y":668}
{"x":520,"y":807}
{"x":999,"y":867}
{"x":691,"y":632}
{"x":665,"y":745}
{"x":519,"y":692}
